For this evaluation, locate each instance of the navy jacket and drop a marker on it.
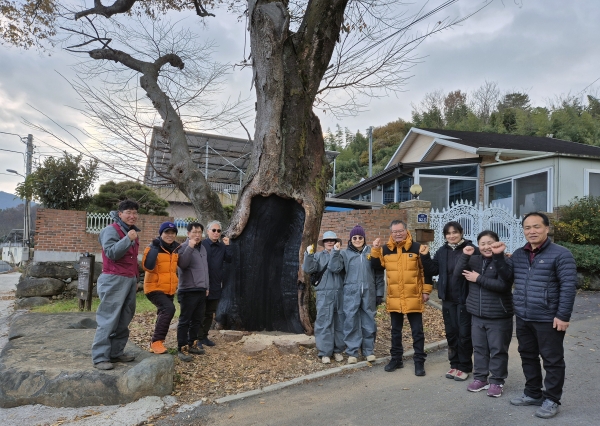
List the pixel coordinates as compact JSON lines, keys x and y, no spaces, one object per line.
{"x":490,"y":296}
{"x":545,"y":288}
{"x":217,"y":253}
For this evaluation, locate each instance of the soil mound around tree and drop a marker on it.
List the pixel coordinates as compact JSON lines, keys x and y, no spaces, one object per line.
{"x":48,"y":361}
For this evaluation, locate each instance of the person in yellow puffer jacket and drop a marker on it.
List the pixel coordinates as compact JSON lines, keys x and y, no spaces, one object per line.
{"x":407,"y":291}
{"x":160,"y":281}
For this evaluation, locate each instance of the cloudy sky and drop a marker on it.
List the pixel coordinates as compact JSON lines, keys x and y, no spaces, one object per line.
{"x":545,"y":48}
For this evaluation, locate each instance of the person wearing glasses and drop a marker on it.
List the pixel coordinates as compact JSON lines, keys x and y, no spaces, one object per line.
{"x":407,"y":292}
{"x":329,"y":324}
{"x":117,"y":286}
{"x":218,"y":252}
{"x":363,"y":289}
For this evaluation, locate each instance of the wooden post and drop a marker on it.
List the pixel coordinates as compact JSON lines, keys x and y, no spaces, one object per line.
{"x":84,"y":287}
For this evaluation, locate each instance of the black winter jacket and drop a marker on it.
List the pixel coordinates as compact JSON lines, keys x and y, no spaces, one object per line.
{"x":544,"y":289}
{"x":438,"y":265}
{"x":217,"y":253}
{"x":490,"y":296}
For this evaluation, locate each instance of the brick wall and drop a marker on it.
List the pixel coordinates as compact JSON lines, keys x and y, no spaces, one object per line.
{"x":64,"y":231}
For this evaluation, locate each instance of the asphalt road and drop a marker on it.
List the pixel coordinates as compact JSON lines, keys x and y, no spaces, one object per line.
{"x":373,"y":397}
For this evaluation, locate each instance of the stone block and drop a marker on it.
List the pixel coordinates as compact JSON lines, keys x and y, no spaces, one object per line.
{"x":30,"y":302}
{"x":31,"y":287}
{"x":286,"y":346}
{"x":231,"y":335}
{"x":58,"y":270}
{"x":254,"y":348}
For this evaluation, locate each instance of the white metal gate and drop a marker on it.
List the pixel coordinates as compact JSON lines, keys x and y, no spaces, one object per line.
{"x":476,"y":219}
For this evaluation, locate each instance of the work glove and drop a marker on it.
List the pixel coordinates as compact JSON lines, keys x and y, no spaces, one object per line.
{"x":310,"y":249}
{"x":379,"y":300}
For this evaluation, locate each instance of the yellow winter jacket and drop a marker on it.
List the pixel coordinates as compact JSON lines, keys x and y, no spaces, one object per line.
{"x":406,"y":281}
{"x":163,"y":277}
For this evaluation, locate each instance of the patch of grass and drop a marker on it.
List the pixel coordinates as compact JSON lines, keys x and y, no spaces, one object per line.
{"x":142,"y":303}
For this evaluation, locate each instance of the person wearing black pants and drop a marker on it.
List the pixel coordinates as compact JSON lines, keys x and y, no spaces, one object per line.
{"x":193,"y":288}
{"x":415,"y":319}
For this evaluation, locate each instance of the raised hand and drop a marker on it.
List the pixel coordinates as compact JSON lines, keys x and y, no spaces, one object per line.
{"x":132,"y":234}
{"x":498,"y":247}
{"x":310,"y":249}
{"x":337,"y":246}
{"x":226,"y":241}
{"x":424,"y":249}
{"x":469,"y":250}
{"x":377,"y":243}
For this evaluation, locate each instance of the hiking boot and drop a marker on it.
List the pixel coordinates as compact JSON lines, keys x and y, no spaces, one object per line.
{"x":451,"y":373}
{"x":326,"y":360}
{"x":548,"y":409}
{"x":477,"y":385}
{"x":371,"y":358}
{"x":207,"y":342}
{"x":195,"y":348}
{"x":183,"y":356}
{"x":495,"y":390}
{"x":393,"y":365}
{"x":526,"y":400}
{"x":338,"y":357}
{"x":123,"y":358}
{"x":104,"y":365}
{"x":461,"y":376}
{"x":158,"y":347}
{"x":419,"y":368}
{"x":352,"y":360}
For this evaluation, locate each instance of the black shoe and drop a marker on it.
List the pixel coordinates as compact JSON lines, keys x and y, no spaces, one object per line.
{"x":123,"y":358}
{"x":419,"y":369}
{"x":207,"y":342}
{"x":196,"y":348}
{"x":393,"y":365}
{"x":183,"y":356}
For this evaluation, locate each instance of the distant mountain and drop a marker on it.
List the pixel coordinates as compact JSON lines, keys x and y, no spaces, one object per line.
{"x":8,"y":201}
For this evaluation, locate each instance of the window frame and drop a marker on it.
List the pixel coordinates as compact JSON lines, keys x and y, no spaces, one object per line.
{"x":549,"y":188}
{"x":422,"y":171}
{"x":586,"y":180}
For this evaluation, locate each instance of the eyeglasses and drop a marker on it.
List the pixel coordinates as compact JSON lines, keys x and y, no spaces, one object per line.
{"x":358,"y":238}
{"x":401,"y":231}
{"x":216,"y":230}
{"x":329,"y":241}
{"x":130,"y":212}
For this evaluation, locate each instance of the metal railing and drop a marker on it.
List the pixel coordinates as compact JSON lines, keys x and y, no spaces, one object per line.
{"x":95,"y":222}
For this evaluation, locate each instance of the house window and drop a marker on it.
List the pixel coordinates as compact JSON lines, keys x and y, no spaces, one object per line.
{"x":404,"y":184}
{"x":522,"y":194}
{"x":365,"y":196}
{"x":446,"y":185}
{"x":591,"y":185}
{"x":388,"y":192}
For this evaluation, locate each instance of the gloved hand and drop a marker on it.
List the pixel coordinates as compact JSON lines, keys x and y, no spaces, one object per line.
{"x":379,"y":300}
{"x":337,"y":246}
{"x":310,"y":249}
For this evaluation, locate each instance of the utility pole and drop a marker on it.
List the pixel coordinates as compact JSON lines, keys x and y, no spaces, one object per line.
{"x":333,"y":176}
{"x":27,"y":224}
{"x":370,"y":151}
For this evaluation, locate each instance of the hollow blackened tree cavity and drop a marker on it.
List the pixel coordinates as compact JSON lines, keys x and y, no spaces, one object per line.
{"x":266,"y":252}
{"x":288,"y":159}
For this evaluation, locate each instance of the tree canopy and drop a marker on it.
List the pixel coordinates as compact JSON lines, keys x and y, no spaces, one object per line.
{"x":110,"y":194}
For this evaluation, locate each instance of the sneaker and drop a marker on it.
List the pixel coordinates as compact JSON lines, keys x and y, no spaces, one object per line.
{"x":352,"y":360}
{"x":371,"y":358}
{"x":548,"y":409}
{"x":158,"y":347}
{"x":495,"y":390}
{"x":183,"y":356}
{"x":195,"y":348}
{"x":123,"y":358}
{"x":338,"y":357}
{"x":477,"y":385}
{"x":526,"y":400}
{"x":207,"y":342}
{"x":104,"y":365}
{"x":393,"y":365}
{"x":451,"y":373}
{"x":461,"y":376}
{"x":326,"y":360}
{"x":419,"y":369}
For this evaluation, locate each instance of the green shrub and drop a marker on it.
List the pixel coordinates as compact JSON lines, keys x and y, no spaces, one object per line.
{"x":579,"y":221}
{"x":587,"y":256}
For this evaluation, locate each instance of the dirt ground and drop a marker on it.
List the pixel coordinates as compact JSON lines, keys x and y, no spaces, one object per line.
{"x":226,"y":370}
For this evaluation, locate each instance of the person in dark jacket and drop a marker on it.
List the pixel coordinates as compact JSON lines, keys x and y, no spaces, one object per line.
{"x":545,"y":276}
{"x":217,"y":252}
{"x":490,"y":304}
{"x":453,"y":293}
{"x":192,"y":269}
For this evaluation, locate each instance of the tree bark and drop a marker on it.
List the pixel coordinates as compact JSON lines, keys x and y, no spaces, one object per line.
{"x":288,"y":168}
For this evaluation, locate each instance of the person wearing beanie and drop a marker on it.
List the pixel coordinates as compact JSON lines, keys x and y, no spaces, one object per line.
{"x":160,"y":281}
{"x":329,"y":324}
{"x":363,"y":288}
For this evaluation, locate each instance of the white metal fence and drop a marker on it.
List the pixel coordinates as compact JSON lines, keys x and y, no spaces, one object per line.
{"x":475,"y":219}
{"x":95,"y":222}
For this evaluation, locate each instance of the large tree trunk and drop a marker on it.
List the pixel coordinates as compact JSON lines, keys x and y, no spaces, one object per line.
{"x":280,"y":207}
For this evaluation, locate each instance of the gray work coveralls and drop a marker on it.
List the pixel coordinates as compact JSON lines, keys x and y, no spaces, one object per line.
{"x":329,"y":333}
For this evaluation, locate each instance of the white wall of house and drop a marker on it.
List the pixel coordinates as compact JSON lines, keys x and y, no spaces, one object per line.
{"x":417,"y":149}
{"x":447,"y":153}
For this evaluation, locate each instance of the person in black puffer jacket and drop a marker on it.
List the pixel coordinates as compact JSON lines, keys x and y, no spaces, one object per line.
{"x":453,"y":293}
{"x":490,"y":304}
{"x":545,"y":276}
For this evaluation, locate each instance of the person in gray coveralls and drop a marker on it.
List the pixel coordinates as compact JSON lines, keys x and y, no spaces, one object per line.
{"x":329,"y":333}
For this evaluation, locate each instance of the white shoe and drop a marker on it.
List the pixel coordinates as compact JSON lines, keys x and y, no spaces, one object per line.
{"x":325,"y":360}
{"x":338,"y":357}
{"x":371,"y":358}
{"x":352,"y":360}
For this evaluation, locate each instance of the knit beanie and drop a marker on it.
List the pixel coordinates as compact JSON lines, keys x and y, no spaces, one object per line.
{"x":165,"y":226}
{"x":357,"y":230}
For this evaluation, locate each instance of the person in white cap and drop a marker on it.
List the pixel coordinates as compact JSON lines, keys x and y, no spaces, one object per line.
{"x":329,"y":334}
